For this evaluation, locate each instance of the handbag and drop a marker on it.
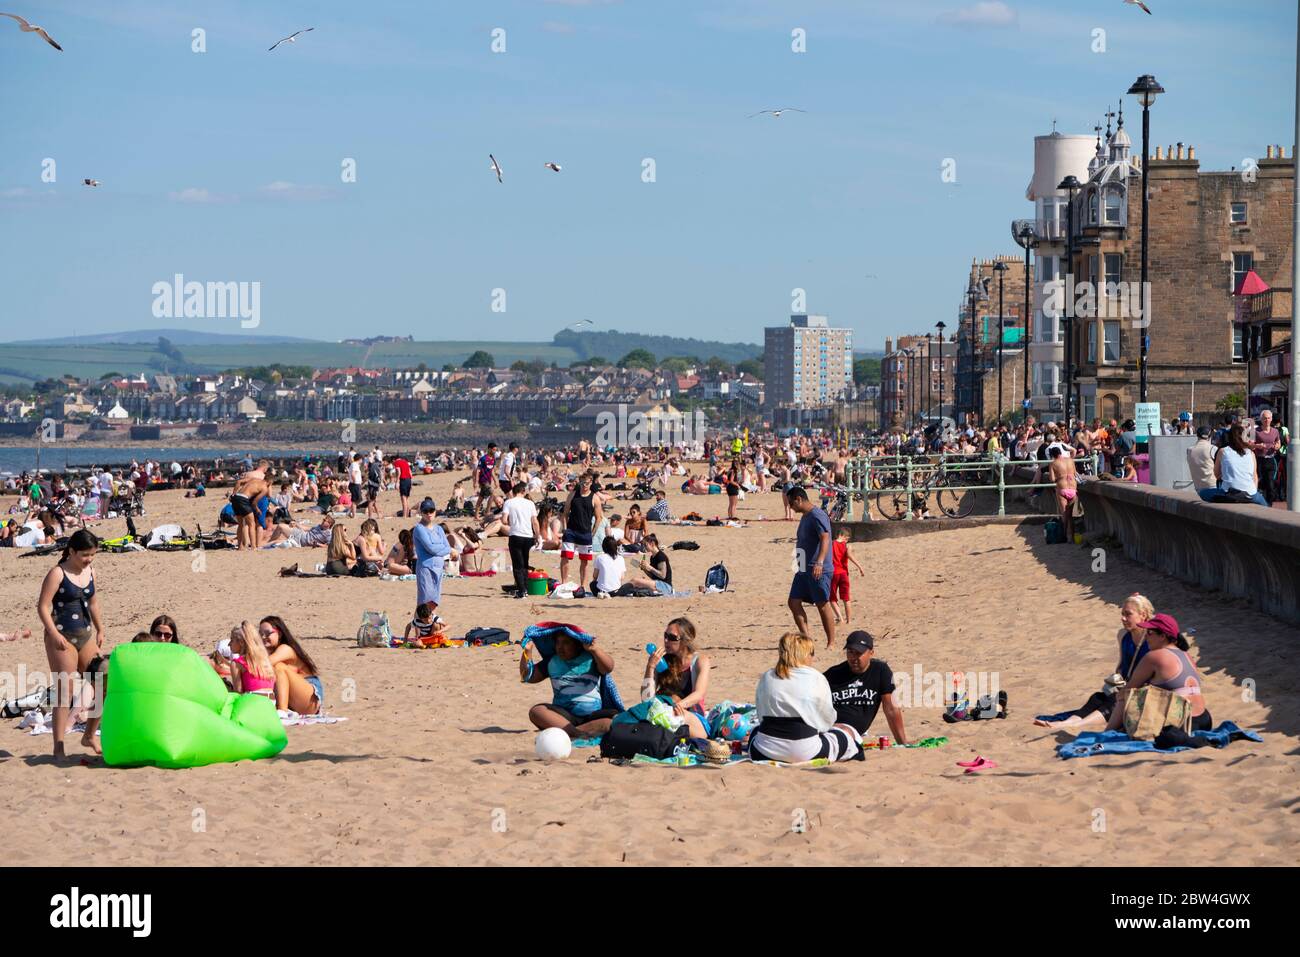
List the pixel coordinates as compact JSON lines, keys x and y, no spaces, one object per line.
{"x":1149,"y":710}
{"x":627,"y":739}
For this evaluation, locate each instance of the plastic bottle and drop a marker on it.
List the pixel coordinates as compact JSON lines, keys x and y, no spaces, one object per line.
{"x":662,"y":666}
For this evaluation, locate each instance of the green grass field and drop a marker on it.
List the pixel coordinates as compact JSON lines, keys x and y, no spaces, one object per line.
{"x":27,"y":363}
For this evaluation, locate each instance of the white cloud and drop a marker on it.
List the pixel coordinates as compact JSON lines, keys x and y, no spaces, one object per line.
{"x":18,"y":192}
{"x":986,"y":13}
{"x":198,"y":195}
{"x":281,"y":189}
{"x":554,"y":26}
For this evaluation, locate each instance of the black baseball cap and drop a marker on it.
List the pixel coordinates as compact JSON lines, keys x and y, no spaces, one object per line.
{"x":428,"y":506}
{"x":1203,"y":432}
{"x":860,"y":641}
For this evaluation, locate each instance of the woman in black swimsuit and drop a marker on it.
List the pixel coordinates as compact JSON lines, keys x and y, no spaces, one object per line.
{"x":69,"y":609}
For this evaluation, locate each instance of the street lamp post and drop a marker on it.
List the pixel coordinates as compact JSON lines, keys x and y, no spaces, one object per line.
{"x":1000,"y":268}
{"x":1026,"y":239}
{"x":940,"y":326}
{"x":929,"y":373}
{"x":1146,"y":89}
{"x":1071,"y":185}
{"x":971,"y":339}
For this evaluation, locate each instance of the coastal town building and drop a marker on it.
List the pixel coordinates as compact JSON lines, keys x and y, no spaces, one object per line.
{"x":1209,"y":231}
{"x":807,"y":363}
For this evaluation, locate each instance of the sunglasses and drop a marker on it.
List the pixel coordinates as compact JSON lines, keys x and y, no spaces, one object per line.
{"x":159,"y":633}
{"x":669,"y":636}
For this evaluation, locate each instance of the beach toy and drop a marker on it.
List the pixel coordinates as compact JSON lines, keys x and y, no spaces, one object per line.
{"x":165,"y":706}
{"x":538,"y":583}
{"x":737,"y":725}
{"x":662,"y":666}
{"x":553,"y":744}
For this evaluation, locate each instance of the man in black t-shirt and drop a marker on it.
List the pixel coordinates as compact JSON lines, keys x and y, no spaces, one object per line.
{"x":860,"y":686}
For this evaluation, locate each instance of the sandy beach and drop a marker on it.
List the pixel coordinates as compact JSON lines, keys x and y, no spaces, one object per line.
{"x":435,"y":762}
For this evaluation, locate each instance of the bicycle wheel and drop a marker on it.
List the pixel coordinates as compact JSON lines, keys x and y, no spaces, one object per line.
{"x":892,"y":505}
{"x":955,"y":499}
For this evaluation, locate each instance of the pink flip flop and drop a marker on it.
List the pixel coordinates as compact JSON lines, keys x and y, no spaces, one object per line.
{"x":971,"y":764}
{"x":981,"y":764}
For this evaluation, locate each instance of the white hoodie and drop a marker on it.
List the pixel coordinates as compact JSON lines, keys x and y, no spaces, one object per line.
{"x":805,"y":695}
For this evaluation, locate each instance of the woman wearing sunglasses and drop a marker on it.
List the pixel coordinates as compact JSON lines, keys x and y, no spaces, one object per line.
{"x":685,"y":680}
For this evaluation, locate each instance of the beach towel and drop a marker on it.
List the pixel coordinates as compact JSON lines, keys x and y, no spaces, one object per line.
{"x":543,"y":634}
{"x":292,"y":719}
{"x":1090,"y":743}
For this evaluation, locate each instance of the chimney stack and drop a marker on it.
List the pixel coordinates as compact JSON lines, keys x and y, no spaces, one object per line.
{"x":1191,"y":152}
{"x":1180,"y":150}
{"x":1269,"y":154}
{"x":1159,"y":153}
{"x":889,"y":345}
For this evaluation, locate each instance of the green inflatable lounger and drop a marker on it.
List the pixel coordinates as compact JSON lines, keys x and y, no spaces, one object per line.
{"x":165,"y":706}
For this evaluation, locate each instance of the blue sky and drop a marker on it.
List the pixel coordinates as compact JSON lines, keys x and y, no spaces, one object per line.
{"x":225,"y":165}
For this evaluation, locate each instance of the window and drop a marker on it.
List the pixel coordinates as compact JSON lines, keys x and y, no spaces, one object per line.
{"x":1237,"y":214}
{"x":1113,"y":199}
{"x":1114,"y":270}
{"x":1089,"y":407}
{"x":1091,"y":332}
{"x":1238,"y":345}
{"x":1111,"y":333}
{"x":1093,"y":273}
{"x":1242,"y":263}
{"x":1092,"y":206}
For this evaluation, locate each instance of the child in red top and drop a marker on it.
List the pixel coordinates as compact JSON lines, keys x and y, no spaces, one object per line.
{"x":840,"y":560}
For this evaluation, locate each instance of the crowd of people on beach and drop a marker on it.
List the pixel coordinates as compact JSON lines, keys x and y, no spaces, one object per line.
{"x":585,"y":505}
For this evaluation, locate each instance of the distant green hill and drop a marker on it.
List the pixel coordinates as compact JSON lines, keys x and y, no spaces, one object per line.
{"x":89,"y":357}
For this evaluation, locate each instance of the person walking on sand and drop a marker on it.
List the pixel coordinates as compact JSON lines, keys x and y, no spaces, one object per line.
{"x":68,"y":607}
{"x":1067,"y":487}
{"x":812,"y":579}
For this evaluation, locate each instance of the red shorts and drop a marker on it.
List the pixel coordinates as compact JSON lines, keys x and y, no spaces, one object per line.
{"x":840,"y":588}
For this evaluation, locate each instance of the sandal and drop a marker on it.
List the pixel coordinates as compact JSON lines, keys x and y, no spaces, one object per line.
{"x":980,"y":764}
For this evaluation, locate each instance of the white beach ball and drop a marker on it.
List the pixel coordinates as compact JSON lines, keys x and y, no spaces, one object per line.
{"x":553,"y":745}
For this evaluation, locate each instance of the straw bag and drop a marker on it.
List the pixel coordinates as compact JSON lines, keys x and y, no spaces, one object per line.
{"x":1150,"y":710}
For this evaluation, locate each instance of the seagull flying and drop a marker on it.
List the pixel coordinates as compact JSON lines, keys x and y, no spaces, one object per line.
{"x":553,"y":167}
{"x":495,"y":167}
{"x":777,"y":113}
{"x":289,"y":39}
{"x":1138,"y":3}
{"x":91,"y":182}
{"x":28,"y":28}
{"x":581,"y":322}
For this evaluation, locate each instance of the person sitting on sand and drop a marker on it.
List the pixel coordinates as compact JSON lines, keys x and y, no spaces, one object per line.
{"x":796,"y":712}
{"x":1166,"y":665}
{"x":401,"y":558}
{"x":610,"y":569}
{"x":861,"y":685}
{"x":251,"y":671}
{"x":342,"y":555}
{"x":575,"y":671}
{"x":297,"y":682}
{"x":315,"y":537}
{"x":634,"y":525}
{"x":369,"y":545}
{"x":552,"y":528}
{"x":425,"y":624}
{"x":1096,"y":711}
{"x":686,"y":680}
